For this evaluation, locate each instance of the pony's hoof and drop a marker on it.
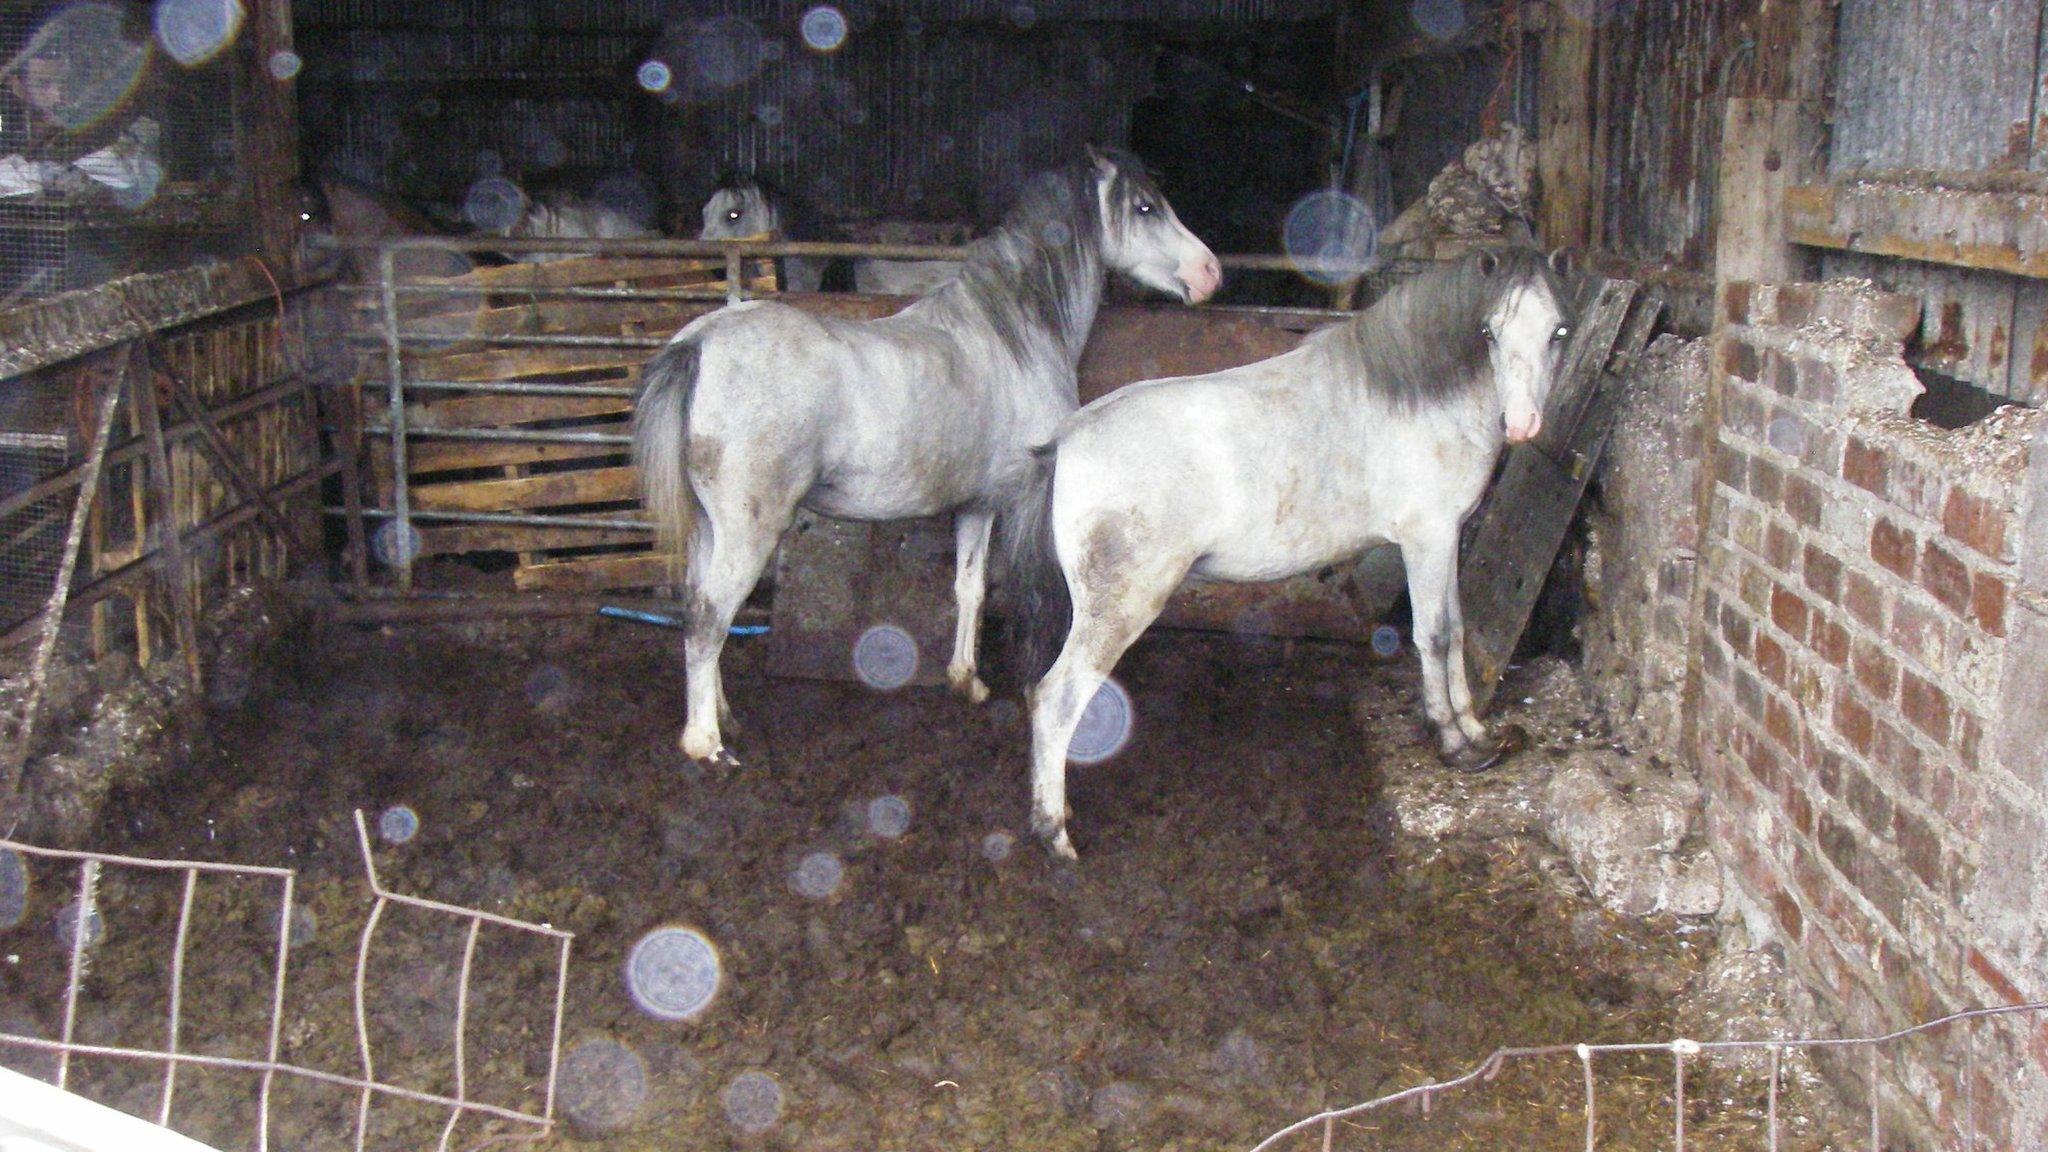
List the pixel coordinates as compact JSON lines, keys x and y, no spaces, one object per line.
{"x":1060,"y":846}
{"x":1479,"y":756}
{"x":966,"y":683}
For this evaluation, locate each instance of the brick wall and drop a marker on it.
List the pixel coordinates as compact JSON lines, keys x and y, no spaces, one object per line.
{"x":1872,"y":692}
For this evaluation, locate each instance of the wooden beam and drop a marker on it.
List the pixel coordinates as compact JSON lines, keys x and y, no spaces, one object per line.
{"x":526,"y":538}
{"x":71,"y":324}
{"x":1765,"y":147}
{"x":554,"y":490}
{"x":1986,"y":230}
{"x":628,"y":570}
{"x":423,"y":456}
{"x":1566,"y":114}
{"x":498,"y":410}
{"x":524,"y":363}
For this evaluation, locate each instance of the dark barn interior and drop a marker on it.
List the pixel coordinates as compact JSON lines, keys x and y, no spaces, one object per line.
{"x":342,"y":656}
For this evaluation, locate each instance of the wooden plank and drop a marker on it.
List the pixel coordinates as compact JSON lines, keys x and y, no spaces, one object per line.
{"x":502,"y":410}
{"x":1992,"y":231}
{"x":428,"y":456}
{"x":553,"y":490}
{"x":585,"y":271}
{"x":596,"y":573}
{"x":1515,"y":534}
{"x":523,"y":363}
{"x":1764,"y":146}
{"x":457,"y":539}
{"x":1566,"y":112}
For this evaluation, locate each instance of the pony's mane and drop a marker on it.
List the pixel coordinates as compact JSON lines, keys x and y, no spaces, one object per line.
{"x":1422,"y":341}
{"x":1042,"y":266}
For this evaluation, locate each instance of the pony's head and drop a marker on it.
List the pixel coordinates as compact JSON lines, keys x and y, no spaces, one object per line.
{"x":739,"y":210}
{"x":1525,"y":333}
{"x":1141,"y":236}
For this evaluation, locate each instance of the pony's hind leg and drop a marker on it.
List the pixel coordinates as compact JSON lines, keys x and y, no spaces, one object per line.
{"x":722,"y":576}
{"x":970,"y":586}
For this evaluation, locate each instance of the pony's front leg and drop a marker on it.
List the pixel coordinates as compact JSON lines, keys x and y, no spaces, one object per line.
{"x":1432,"y":564}
{"x":970,"y":586}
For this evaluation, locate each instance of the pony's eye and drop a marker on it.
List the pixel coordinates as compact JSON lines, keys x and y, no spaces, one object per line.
{"x":733,"y":214}
{"x":1486,"y":333}
{"x":1144,"y":207}
{"x":1561,"y":332}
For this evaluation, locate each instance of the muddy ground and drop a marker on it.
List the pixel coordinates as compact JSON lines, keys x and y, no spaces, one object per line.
{"x":1244,"y":942}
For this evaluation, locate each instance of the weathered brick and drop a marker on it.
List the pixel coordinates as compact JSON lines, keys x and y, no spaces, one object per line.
{"x":1741,"y":358}
{"x":1770,"y":659}
{"x":1781,"y":547}
{"x":1893,"y":548}
{"x":1817,"y":381}
{"x":1830,"y":641}
{"x":1876,"y":671}
{"x":1926,"y":705}
{"x":1803,"y":501}
{"x":1731,"y":468}
{"x":1777,"y":374}
{"x":1872,"y":806}
{"x":1744,"y":413}
{"x":1789,"y":612}
{"x":1781,"y":723}
{"x":1919,"y":632}
{"x":1735,"y":302}
{"x":1920,"y":849}
{"x":1976,"y":523}
{"x":1785,"y":910}
{"x":1798,"y":809}
{"x":1865,"y":465}
{"x":1864,"y":600}
{"x":1713,"y":661}
{"x":1854,"y":722}
{"x":1969,"y":742}
{"x":1987,"y":602}
{"x":1766,"y":481}
{"x":1796,"y":304}
{"x":1893,"y":751}
{"x":1789,"y":433}
{"x":1823,"y":574}
{"x":1735,"y":628}
{"x":1946,"y":578}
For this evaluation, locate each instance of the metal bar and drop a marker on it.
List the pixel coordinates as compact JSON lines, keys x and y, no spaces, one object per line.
{"x":143,"y":862}
{"x":284,"y":951}
{"x":1592,"y":1126}
{"x":555,"y":1043}
{"x":510,"y":340}
{"x":525,"y":519}
{"x":733,"y":271}
{"x":652,"y":247}
{"x":518,"y":388}
{"x":1876,"y":1134}
{"x":363,"y":1014}
{"x":177,"y":581}
{"x":517,"y":435}
{"x":344,"y":414}
{"x":60,"y":594}
{"x":163,"y":1116}
{"x":1678,"y":1099}
{"x":394,"y":365}
{"x":81,"y":928}
{"x":462,"y":1031}
{"x":1771,"y":1107}
{"x":537,"y":292}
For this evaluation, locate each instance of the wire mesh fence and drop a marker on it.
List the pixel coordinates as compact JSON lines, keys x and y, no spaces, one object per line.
{"x":110,"y":891}
{"x":1958,"y":1034}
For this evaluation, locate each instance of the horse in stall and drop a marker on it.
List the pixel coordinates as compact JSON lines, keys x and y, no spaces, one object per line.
{"x":747,"y":208}
{"x":1381,"y":428}
{"x":759,"y":407}
{"x":612,"y":212}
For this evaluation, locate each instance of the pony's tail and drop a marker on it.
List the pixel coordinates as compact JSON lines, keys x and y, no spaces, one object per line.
{"x":1042,"y":607}
{"x":661,"y":441}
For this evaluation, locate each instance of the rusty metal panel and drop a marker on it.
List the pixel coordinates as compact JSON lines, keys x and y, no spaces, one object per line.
{"x":1938,"y":84}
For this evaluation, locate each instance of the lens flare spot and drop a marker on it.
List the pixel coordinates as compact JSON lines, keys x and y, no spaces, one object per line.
{"x":753,"y":1101}
{"x":997,"y":846}
{"x":1105,"y":725}
{"x":603,"y":1085}
{"x":654,"y":76}
{"x":1331,"y":236}
{"x":398,"y":824}
{"x":1438,"y":19}
{"x":195,"y":31}
{"x":397,"y":543}
{"x":13,"y":888}
{"x":67,"y":925}
{"x":889,"y":817}
{"x":78,"y":66}
{"x":885,"y":657}
{"x":494,"y":204}
{"x":1386,"y":640}
{"x":284,"y":65}
{"x":674,"y":973}
{"x":818,"y":875}
{"x":823,"y":29}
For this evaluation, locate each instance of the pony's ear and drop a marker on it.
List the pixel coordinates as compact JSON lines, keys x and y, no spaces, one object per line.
{"x":1104,"y":166}
{"x":1489,"y":263}
{"x":1564,"y":262}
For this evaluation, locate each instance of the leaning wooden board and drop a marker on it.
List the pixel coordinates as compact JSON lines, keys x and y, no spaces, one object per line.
{"x":1513,"y":537}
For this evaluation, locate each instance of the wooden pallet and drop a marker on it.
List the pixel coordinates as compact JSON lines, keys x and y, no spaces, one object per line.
{"x":589,"y":481}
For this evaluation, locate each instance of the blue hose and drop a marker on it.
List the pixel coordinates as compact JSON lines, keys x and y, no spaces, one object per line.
{"x":618,"y":613}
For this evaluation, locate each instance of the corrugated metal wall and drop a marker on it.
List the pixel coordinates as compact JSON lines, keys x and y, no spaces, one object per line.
{"x":1952,"y":88}
{"x":926,"y":109}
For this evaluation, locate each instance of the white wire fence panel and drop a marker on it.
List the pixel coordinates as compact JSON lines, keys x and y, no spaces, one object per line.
{"x":196,"y":1029}
{"x":1960,"y":1036}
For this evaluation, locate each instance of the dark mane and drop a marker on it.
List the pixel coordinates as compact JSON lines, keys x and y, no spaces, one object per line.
{"x":1044,"y":263}
{"x":1422,"y":343}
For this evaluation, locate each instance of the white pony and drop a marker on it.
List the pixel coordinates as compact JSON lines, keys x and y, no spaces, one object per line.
{"x":1382,"y":428}
{"x":760,"y":407}
{"x":747,"y":209}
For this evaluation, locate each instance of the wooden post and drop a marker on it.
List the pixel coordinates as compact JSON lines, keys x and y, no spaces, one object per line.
{"x":270,"y":146}
{"x":1566,"y":112}
{"x":175,"y":572}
